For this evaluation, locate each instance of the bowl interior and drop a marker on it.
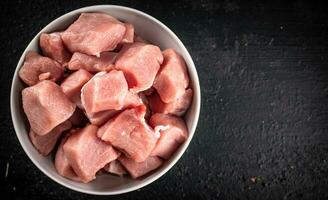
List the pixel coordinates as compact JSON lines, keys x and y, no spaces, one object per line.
{"x":148,"y":28}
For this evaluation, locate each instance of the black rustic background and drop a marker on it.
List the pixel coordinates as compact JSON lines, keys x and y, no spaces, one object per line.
{"x":263,"y":128}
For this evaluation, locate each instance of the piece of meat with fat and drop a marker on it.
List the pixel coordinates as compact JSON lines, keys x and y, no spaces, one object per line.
{"x":99,"y":118}
{"x":37,"y":67}
{"x":52,"y":46}
{"x":129,"y":33}
{"x":46,"y":106}
{"x":172,"y":79}
{"x":177,"y":107}
{"x":87,"y":154}
{"x":93,"y":33}
{"x":138,"y":169}
{"x":73,"y":84}
{"x":105,"y":91}
{"x":92,"y":63}
{"x":115,"y":167}
{"x":140,"y":63}
{"x":46,"y":143}
{"x":130,"y":133}
{"x":173,"y":132}
{"x":61,"y":162}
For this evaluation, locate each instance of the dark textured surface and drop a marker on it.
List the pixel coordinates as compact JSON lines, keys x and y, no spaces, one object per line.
{"x":263,"y":130}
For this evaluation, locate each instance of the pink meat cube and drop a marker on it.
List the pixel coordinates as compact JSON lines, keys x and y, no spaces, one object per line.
{"x":87,"y":154}
{"x":115,"y":167}
{"x":129,"y":132}
{"x":129,"y":33}
{"x":92,"y":63}
{"x":78,"y":118}
{"x":46,"y":143}
{"x":173,"y":132}
{"x":172,"y":79}
{"x":46,"y":106}
{"x":36,"y":68}
{"x":99,"y":118}
{"x":73,"y":84}
{"x":177,"y":107}
{"x":53,"y":47}
{"x":140,"y":63}
{"x":93,"y":33}
{"x":104,"y":91}
{"x":137,"y":169}
{"x":62,"y":165}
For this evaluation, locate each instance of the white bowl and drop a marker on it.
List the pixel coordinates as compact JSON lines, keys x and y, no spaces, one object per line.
{"x":152,"y":30}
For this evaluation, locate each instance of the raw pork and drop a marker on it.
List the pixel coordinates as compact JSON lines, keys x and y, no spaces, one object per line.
{"x":129,"y":133}
{"x":46,"y":106}
{"x":92,"y":63}
{"x":137,"y":169}
{"x":87,"y":154}
{"x":173,"y":133}
{"x":38,"y":67}
{"x":140,"y":63}
{"x":93,"y":33}
{"x":53,"y":47}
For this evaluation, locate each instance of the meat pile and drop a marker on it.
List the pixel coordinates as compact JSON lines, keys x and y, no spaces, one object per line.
{"x":112,"y":101}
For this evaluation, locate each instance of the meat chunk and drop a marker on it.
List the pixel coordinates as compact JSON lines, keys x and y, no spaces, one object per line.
{"x":62,"y":165}
{"x":140,"y":63}
{"x":129,"y":132}
{"x":138,"y":38}
{"x":177,"y":107}
{"x":93,"y":33}
{"x":87,"y":154}
{"x":92,"y":63}
{"x":99,"y":118}
{"x":104,"y":91}
{"x":46,"y":143}
{"x":173,"y":133}
{"x":52,"y":46}
{"x":129,"y":33}
{"x":73,"y":84}
{"x":38,"y":67}
{"x":137,"y":169}
{"x":172,"y":79}
{"x":46,"y":106}
{"x":115,"y":167}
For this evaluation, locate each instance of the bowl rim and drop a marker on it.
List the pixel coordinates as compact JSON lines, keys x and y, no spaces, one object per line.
{"x":196,"y":91}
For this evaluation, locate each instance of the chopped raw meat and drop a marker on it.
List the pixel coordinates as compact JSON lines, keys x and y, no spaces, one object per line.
{"x":104,"y":91}
{"x":53,"y":47}
{"x":46,"y":143}
{"x":93,"y":33}
{"x":92,"y":63}
{"x":62,"y":165}
{"x":129,"y":33}
{"x":46,"y":106}
{"x":173,"y":133}
{"x":115,"y":167}
{"x":73,"y":84}
{"x":87,"y":154}
{"x":140,"y":63}
{"x":137,"y":169}
{"x":172,"y":79}
{"x":78,"y":118}
{"x":99,"y":118}
{"x":36,"y":67}
{"x":178,"y":107}
{"x":129,"y":132}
